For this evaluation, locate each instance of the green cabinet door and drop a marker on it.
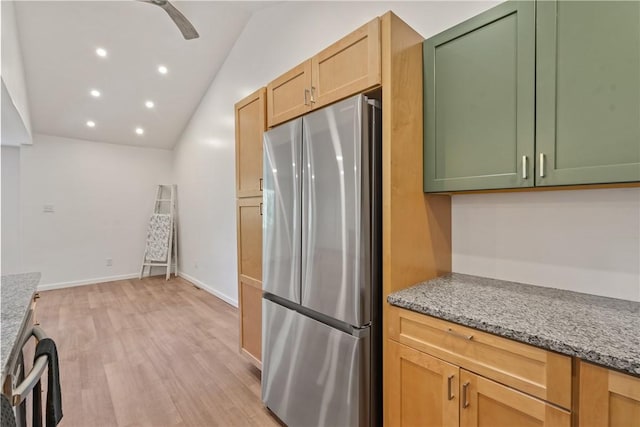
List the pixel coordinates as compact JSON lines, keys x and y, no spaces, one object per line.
{"x":479,"y":102}
{"x":588,"y":92}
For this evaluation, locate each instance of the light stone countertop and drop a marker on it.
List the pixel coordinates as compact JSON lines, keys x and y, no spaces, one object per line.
{"x":16,"y":293}
{"x":605,"y":331}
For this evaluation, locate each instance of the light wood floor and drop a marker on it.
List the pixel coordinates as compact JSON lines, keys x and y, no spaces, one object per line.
{"x":150,"y":352}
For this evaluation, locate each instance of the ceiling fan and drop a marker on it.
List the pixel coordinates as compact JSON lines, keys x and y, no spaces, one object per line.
{"x":185,"y":27}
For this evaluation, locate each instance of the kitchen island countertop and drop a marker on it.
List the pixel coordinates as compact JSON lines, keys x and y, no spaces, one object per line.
{"x":605,"y":331}
{"x":16,"y":293}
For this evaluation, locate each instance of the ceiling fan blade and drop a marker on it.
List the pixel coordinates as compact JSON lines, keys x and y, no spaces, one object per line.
{"x":185,"y":27}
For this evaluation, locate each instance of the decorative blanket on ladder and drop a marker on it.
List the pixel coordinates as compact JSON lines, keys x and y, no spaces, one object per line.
{"x":158,"y":238}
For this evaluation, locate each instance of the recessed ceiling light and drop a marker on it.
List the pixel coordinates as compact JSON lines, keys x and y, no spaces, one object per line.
{"x":139,"y":131}
{"x":91,"y":123}
{"x":149,"y":104}
{"x":162,"y":69}
{"x":101,"y":52}
{"x":95,"y":93}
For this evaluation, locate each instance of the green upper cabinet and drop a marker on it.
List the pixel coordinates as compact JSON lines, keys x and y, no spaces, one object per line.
{"x":534,"y":93}
{"x":588,"y":92}
{"x":480,"y":102}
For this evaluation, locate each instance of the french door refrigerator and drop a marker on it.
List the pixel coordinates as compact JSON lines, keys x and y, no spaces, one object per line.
{"x":321,"y":329}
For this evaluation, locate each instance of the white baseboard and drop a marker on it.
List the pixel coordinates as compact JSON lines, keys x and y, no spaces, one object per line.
{"x":83,"y":282}
{"x":209,"y":289}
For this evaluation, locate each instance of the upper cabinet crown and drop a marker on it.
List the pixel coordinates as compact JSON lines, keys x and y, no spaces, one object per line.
{"x":349,"y":66}
{"x":534,"y":94}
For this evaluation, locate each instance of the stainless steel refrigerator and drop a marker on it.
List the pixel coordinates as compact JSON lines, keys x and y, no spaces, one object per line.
{"x":321,"y":329}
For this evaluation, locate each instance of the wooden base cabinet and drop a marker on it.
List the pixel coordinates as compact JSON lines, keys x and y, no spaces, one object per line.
{"x":608,"y":398}
{"x":426,"y":391}
{"x":485,"y":403}
{"x":438,"y":373}
{"x":422,"y":390}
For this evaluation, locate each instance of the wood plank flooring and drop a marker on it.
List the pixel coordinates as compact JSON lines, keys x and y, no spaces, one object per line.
{"x":150,"y":353}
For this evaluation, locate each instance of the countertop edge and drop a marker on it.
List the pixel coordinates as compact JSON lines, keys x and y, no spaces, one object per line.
{"x":611,"y":362}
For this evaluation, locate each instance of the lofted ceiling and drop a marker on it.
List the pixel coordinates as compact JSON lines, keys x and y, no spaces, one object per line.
{"x":59,"y":41}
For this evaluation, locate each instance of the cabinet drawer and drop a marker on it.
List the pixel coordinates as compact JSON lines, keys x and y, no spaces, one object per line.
{"x":535,"y":371}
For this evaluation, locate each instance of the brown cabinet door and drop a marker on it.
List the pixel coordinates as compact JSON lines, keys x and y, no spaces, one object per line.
{"x":289,"y":95}
{"x":250,"y":298}
{"x":421,"y":390}
{"x":608,"y":398}
{"x":250,"y":276}
{"x":347,"y":67}
{"x":250,"y":126}
{"x":485,"y":403}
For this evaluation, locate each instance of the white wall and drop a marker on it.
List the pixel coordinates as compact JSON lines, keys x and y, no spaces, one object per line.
{"x":10,"y":233}
{"x":585,"y":241}
{"x":102,"y":195}
{"x":274,"y":40}
{"x":12,"y":66}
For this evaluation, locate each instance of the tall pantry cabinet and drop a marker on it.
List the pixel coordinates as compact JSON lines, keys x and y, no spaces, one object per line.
{"x":250,"y":114}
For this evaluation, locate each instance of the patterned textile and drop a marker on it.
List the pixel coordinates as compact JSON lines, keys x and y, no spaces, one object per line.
{"x":158,"y":238}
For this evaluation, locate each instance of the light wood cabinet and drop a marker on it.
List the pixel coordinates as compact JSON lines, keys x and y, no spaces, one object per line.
{"x":485,"y":403}
{"x":442,"y":374}
{"x":347,"y":67}
{"x":423,"y":390}
{"x":289,"y":95}
{"x":535,"y":371}
{"x":250,"y":126}
{"x":249,"y":214}
{"x":607,"y":398}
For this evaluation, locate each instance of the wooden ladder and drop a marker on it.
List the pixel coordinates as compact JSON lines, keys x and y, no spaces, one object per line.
{"x":165,"y":205}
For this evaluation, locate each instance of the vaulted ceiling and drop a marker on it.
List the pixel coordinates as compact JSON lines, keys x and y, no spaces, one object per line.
{"x":59,"y":41}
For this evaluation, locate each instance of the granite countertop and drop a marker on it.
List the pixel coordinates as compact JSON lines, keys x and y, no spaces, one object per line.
{"x":16,"y":293}
{"x":605,"y":331}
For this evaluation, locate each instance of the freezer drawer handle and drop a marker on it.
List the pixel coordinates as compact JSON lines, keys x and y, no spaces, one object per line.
{"x":450,"y":395}
{"x":458,"y":334}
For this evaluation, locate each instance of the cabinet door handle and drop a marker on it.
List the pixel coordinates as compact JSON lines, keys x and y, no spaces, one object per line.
{"x":260,"y":182}
{"x":465,"y":399}
{"x":542,"y":165}
{"x":524,"y":167}
{"x":306,"y":94}
{"x":450,"y":395}
{"x":313,"y":95}
{"x":459,"y":335}
{"x":260,"y":208}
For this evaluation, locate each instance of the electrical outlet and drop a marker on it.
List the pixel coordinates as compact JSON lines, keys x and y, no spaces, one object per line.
{"x":48,"y":209}
{"x":109,"y":262}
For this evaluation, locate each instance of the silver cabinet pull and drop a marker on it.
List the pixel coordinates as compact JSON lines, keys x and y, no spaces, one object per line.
{"x":313,"y":94}
{"x":450,"y":395}
{"x":260,"y":183}
{"x":465,"y":399}
{"x":260,"y":208}
{"x":458,"y":334}
{"x":524,"y":167}
{"x":306,"y":94}
{"x":542,"y":165}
